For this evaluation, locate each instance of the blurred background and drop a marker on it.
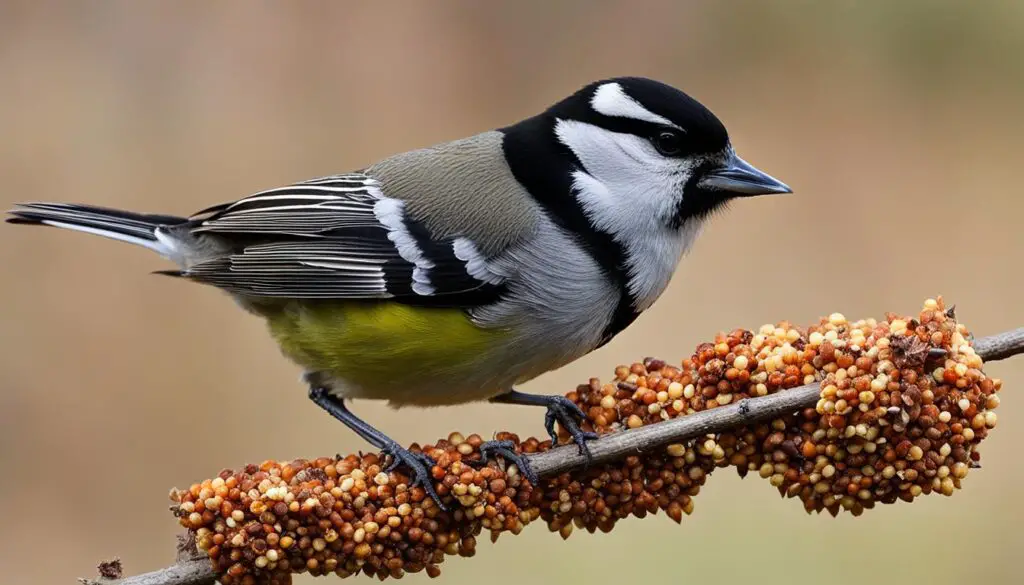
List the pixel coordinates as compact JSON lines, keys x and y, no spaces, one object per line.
{"x":899,"y":125}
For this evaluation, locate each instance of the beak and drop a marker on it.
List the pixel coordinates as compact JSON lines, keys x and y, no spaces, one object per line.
{"x":739,"y":177}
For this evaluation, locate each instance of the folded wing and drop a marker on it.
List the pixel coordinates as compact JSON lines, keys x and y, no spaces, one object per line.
{"x":338,"y":237}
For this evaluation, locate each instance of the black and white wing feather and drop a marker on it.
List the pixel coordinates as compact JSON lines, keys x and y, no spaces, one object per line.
{"x":336,"y":237}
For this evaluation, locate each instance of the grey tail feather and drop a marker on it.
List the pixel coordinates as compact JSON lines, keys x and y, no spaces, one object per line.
{"x":126,"y":226}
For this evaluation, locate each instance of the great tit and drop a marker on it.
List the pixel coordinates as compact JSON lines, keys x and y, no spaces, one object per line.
{"x":453,"y":273}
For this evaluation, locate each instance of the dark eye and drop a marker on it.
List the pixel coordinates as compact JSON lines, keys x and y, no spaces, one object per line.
{"x":668,"y":142}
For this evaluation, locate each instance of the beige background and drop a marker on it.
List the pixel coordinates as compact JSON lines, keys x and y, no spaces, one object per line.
{"x":899,"y":125}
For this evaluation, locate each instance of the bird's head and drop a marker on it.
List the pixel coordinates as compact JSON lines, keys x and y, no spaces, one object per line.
{"x":640,"y":146}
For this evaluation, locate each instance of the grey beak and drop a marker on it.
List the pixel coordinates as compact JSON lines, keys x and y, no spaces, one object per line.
{"x":740,"y":177}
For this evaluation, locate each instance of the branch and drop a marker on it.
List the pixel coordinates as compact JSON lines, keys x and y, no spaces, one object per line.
{"x":192,"y":571}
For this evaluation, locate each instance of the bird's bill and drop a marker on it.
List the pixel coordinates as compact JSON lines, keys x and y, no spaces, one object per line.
{"x":742,"y":178}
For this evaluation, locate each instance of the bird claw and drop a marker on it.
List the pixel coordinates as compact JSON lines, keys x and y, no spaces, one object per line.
{"x":566,"y":413}
{"x":419,"y":466}
{"x":507,"y":451}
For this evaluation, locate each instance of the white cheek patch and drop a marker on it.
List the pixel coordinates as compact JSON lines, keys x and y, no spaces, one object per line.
{"x":391,"y":214}
{"x":631,"y":192}
{"x":636,"y":179}
{"x":611,"y":100}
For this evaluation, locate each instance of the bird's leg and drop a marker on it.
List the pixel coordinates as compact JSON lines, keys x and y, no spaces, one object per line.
{"x":419,"y":464}
{"x":560,"y":409}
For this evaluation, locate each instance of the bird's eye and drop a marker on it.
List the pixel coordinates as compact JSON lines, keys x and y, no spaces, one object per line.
{"x":668,"y":142}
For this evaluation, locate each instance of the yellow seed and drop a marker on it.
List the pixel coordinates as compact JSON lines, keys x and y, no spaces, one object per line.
{"x":916,"y":453}
{"x":662,"y":397}
{"x":741,"y":362}
{"x":689,"y":391}
{"x":945,"y":416}
{"x":675,"y":450}
{"x":675,"y":390}
{"x":837,"y":319}
{"x":964,"y":404}
{"x":608,"y":402}
{"x":359,"y":535}
{"x":866,"y":397}
{"x":960,"y":470}
{"x":979,"y":420}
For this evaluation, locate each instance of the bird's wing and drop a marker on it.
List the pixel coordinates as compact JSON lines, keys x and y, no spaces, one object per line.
{"x":338,"y":237}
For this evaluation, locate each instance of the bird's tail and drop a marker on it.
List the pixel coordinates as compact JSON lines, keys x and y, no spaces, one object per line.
{"x":134,"y":228}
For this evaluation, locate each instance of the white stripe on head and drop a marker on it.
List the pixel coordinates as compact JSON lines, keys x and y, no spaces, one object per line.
{"x":611,"y":100}
{"x":391,"y":214}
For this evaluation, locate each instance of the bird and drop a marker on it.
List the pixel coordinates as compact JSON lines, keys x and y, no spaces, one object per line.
{"x":456,"y":272}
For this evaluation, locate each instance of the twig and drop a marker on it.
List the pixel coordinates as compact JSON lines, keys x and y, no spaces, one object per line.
{"x":192,"y":572}
{"x":189,"y":571}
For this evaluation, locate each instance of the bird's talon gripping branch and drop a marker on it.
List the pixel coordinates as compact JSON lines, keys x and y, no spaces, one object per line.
{"x":419,"y":466}
{"x":569,"y":416}
{"x":507,"y":451}
{"x":559,"y":409}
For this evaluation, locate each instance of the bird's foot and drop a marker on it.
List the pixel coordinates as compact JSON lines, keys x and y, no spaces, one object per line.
{"x":419,"y":466}
{"x":507,"y":451}
{"x":566,"y":413}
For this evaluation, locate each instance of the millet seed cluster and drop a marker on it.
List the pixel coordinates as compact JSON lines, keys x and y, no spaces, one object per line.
{"x":904,"y":404}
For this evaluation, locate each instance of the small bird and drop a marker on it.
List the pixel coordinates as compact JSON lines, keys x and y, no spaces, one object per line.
{"x":453,"y":273}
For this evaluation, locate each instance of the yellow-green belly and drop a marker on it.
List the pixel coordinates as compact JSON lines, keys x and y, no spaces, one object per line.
{"x":381,"y":348}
